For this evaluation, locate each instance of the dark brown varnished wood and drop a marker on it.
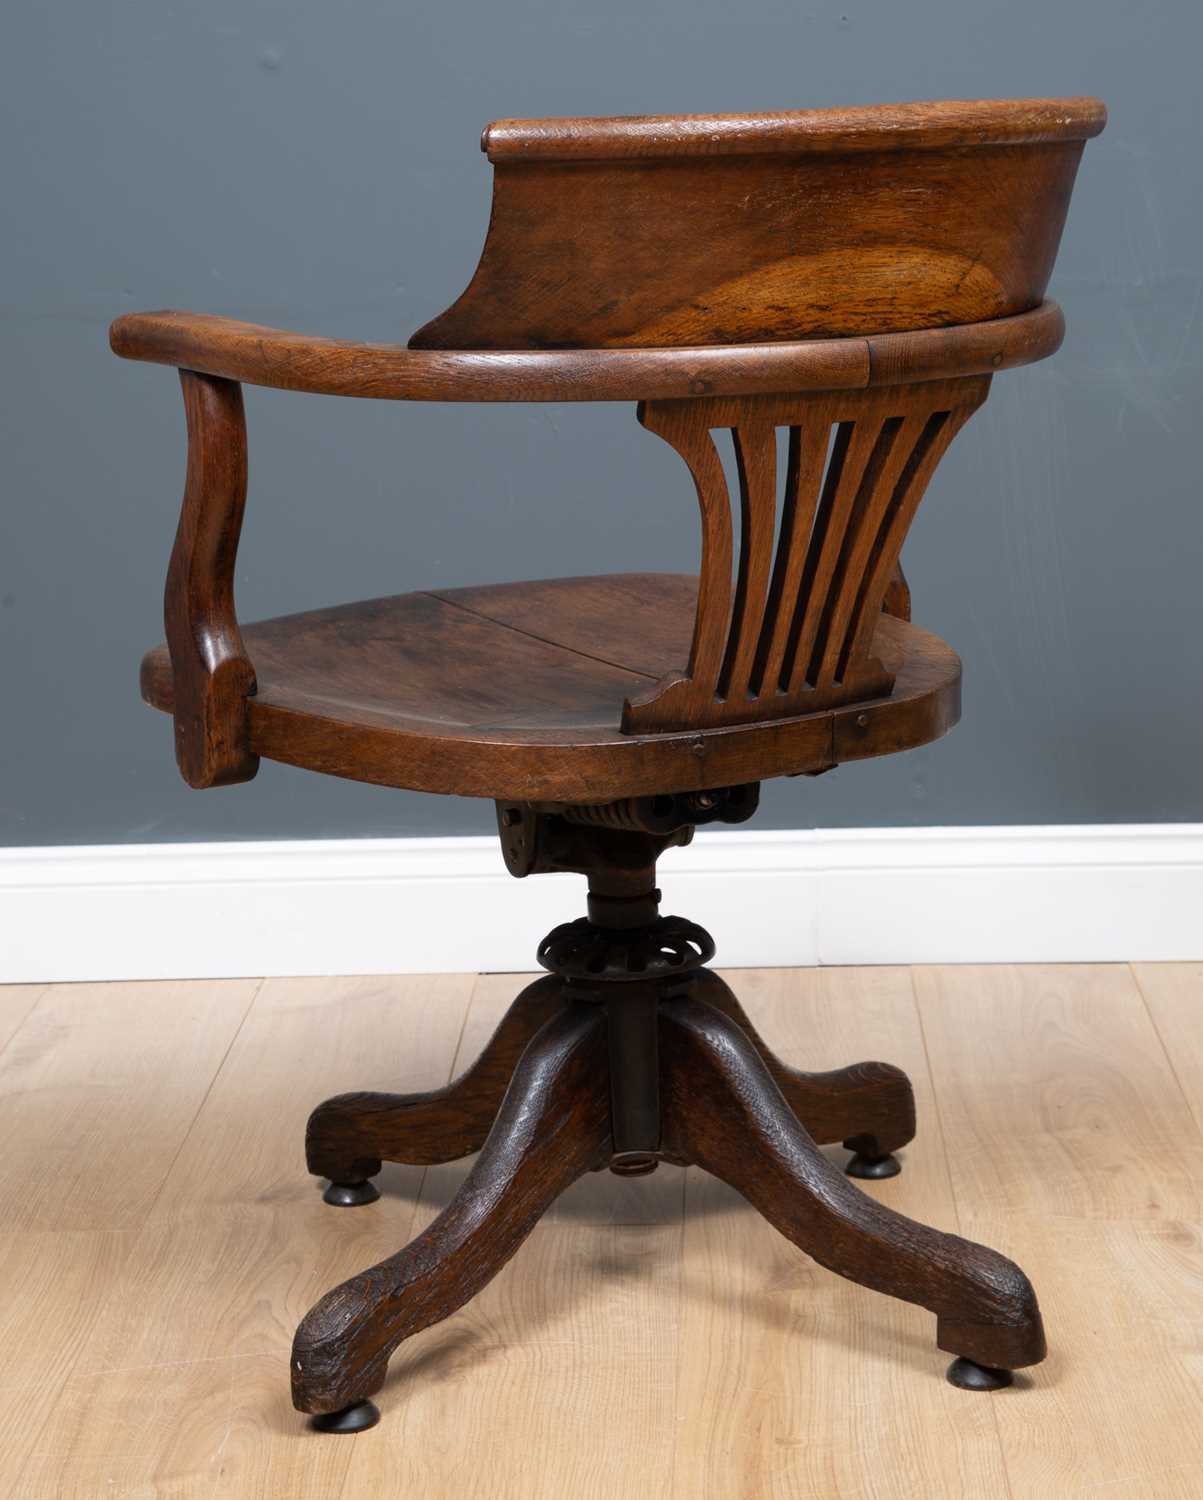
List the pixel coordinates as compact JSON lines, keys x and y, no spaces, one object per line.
{"x":515,"y":692}
{"x":871,"y":1103}
{"x":212,"y":675}
{"x":580,"y":1100}
{"x":349,"y":1136}
{"x":723,"y":1112}
{"x":553,"y":1127}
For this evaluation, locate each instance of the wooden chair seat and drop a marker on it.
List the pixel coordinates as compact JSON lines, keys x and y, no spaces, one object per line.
{"x":516,"y":691}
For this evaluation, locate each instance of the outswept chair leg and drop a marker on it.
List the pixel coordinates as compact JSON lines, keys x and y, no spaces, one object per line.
{"x":553,"y":1126}
{"x":349,"y":1136}
{"x":723,"y":1112}
{"x":868,"y":1106}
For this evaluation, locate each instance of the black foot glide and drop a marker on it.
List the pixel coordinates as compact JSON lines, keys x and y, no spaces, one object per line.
{"x":971,"y":1377}
{"x":351,"y":1194}
{"x":356,"y":1418}
{"x":873,"y":1167}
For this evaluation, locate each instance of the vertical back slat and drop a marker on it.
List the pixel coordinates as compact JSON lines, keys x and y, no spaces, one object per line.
{"x":756,"y":458}
{"x":932,"y":443}
{"x":803,"y":476}
{"x":839,"y":496}
{"x":896,"y":439}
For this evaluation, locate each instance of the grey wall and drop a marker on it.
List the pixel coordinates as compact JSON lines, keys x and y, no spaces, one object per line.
{"x":315,"y":165}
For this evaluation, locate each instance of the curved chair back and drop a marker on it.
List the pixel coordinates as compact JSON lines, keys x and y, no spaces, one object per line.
{"x":738,"y":229}
{"x":731,"y":229}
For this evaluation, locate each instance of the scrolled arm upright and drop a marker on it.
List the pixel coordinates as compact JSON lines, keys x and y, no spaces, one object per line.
{"x":211,"y":671}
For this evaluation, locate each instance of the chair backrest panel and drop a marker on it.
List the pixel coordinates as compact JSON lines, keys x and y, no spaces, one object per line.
{"x":694,"y":231}
{"x":697,"y":230}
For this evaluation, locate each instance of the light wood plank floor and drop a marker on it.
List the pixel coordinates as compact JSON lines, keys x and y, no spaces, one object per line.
{"x":159,"y":1239}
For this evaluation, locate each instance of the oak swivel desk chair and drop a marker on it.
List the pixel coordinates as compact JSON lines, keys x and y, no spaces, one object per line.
{"x":852,"y":276}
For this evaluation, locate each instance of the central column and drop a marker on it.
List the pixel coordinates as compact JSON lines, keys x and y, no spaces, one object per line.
{"x":624,"y":954}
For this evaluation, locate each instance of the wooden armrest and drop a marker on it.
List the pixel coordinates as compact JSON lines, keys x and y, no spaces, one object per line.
{"x":255,"y":355}
{"x":212,"y":674}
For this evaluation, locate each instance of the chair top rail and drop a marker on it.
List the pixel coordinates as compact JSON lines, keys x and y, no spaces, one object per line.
{"x":934,"y":125}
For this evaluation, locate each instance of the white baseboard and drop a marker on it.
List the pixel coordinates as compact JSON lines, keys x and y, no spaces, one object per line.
{"x":855,"y":896}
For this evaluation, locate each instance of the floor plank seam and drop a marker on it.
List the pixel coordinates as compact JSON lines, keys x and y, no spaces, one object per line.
{"x":1165,"y":1051}
{"x":420,"y":1190}
{"x":184,"y":1139}
{"x":163,"y":1364}
{"x":463,"y":1028}
{"x":24,"y":1021}
{"x":678,"y":1415}
{"x":952,"y":1192}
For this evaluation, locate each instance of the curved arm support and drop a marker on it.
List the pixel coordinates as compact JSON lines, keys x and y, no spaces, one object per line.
{"x":256,"y":355}
{"x":212,"y":674}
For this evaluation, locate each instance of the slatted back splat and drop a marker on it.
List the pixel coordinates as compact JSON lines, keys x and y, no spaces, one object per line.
{"x":791,"y":589}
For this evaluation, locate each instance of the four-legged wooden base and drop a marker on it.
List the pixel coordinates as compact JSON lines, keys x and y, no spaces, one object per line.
{"x":546,"y":1103}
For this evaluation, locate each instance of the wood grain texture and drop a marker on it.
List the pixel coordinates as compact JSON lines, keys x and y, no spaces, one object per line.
{"x":794,"y":1383}
{"x":349,"y":1135}
{"x":1098,"y":1194}
{"x":873,"y":1101}
{"x":580,"y":1098}
{"x":194,"y":1431}
{"x":303,"y":1039}
{"x":1115,"y":1410}
{"x":1172,"y":993}
{"x":17,"y":1002}
{"x":552,"y":1127}
{"x":255,"y":355}
{"x":630,"y":1348}
{"x":724,"y":1113}
{"x":55,"y":1284}
{"x":94,"y":1064}
{"x":931,"y":125}
{"x":794,"y":630}
{"x":419,"y":691}
{"x":654,"y":233}
{"x":855,"y":277}
{"x":183,"y":1343}
{"x":898,"y":595}
{"x":561,"y":1376}
{"x":212,"y":676}
{"x":1098,"y":1124}
{"x":878,"y":264}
